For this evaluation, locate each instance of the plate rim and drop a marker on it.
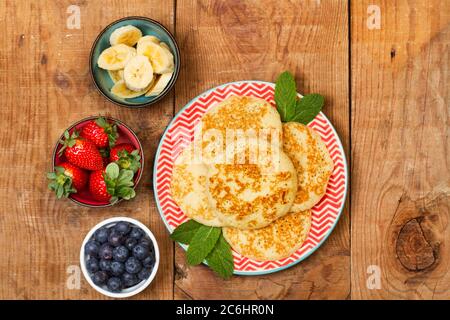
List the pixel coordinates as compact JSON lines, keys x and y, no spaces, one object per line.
{"x":250,"y":273}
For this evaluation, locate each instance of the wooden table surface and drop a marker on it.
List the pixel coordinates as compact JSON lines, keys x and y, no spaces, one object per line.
{"x":383,"y":67}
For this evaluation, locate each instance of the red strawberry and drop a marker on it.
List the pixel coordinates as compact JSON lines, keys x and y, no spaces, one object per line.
{"x":114,"y":153}
{"x":67,"y":179}
{"x":105,"y":156}
{"x":105,"y":162}
{"x":97,"y":186}
{"x":111,"y":184}
{"x":100,"y":132}
{"x":81,"y":152}
{"x":126,"y":156}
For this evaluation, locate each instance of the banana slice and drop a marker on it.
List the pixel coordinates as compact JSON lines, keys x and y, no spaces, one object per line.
{"x":147,"y":38}
{"x":116,"y":75}
{"x":128,"y":35}
{"x":162,"y":81}
{"x":160,"y":58}
{"x":138,"y":73}
{"x":165,"y":46}
{"x":116,"y":57}
{"x":121,"y":90}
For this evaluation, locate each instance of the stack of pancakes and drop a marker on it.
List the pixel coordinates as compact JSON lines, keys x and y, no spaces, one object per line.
{"x":263,"y":206}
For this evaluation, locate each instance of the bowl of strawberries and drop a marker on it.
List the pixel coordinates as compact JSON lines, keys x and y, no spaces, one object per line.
{"x":97,"y":162}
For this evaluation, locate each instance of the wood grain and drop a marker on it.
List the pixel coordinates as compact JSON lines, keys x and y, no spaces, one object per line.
{"x":224,"y":41}
{"x":395,"y":112}
{"x":45,"y":77}
{"x":400,"y":125}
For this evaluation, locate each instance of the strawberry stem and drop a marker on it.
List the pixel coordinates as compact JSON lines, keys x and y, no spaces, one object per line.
{"x":110,"y":130}
{"x":131,"y":161}
{"x":69,"y":140}
{"x":119,"y":182}
{"x":60,"y":183}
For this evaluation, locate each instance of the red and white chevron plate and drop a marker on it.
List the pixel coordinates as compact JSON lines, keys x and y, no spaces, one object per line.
{"x":180,"y":133}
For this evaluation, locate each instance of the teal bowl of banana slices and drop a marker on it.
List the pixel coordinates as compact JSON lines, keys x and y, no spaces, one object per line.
{"x":134,"y":62}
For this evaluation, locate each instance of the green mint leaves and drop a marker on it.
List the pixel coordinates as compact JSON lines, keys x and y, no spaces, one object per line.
{"x":308,"y":108}
{"x":291,"y":108}
{"x":185,"y":231}
{"x":206,"y":243}
{"x":119,"y":182}
{"x":286,"y":95}
{"x":220,"y":259}
{"x":202,"y":244}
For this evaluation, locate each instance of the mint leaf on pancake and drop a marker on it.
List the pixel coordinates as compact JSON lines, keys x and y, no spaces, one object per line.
{"x":208,"y":244}
{"x":307,"y":108}
{"x":185,"y":231}
{"x":202,"y":243}
{"x":286,"y":96}
{"x":220,"y":259}
{"x":289,"y":107}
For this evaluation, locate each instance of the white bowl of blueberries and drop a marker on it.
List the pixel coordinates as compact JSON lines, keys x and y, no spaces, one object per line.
{"x":119,"y":257}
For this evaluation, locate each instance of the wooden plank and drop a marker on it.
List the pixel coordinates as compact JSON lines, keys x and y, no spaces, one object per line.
{"x":47,"y":86}
{"x":224,"y":41}
{"x":400,"y":188}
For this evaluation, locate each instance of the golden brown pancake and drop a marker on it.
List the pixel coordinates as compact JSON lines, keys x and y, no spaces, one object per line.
{"x":188,"y":188}
{"x":276,"y":241}
{"x":312,"y":162}
{"x":250,"y":196}
{"x":246,"y":114}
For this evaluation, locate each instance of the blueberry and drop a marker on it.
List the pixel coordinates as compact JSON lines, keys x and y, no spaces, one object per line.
{"x":144,"y":273}
{"x":122,"y":228}
{"x":136,"y":233}
{"x":149,"y":261}
{"x":133,"y":265}
{"x":105,"y":265}
{"x":100,"y":277}
{"x":115,"y":239}
{"x":101,"y":235}
{"x":91,"y":248}
{"x":105,"y":251}
{"x":92,"y":265}
{"x":151,"y":250}
{"x":141,"y":251}
{"x":114,"y":284}
{"x":129,"y":280}
{"x":120,"y":253}
{"x":117,"y":268}
{"x":130,"y":243}
{"x":146,"y":242}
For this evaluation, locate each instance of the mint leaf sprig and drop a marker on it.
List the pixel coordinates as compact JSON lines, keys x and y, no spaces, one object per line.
{"x":185,"y":231}
{"x":290,"y":107}
{"x":220,"y":259}
{"x":206,"y":243}
{"x":202,"y":243}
